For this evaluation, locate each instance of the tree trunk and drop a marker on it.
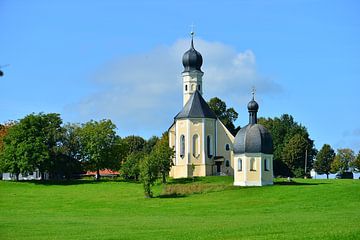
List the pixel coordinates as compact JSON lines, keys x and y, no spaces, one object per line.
{"x":163,"y":177}
{"x":17,"y":176}
{"x":327,"y":176}
{"x":42,"y":174}
{"x":97,"y":176}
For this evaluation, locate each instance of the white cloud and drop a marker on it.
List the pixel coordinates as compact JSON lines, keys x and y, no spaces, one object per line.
{"x":142,"y":93}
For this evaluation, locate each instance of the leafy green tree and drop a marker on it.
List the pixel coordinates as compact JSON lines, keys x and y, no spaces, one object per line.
{"x":356,"y":163}
{"x":32,"y":144}
{"x":164,"y":156}
{"x":149,"y":172}
{"x":344,"y":157}
{"x":226,"y":115}
{"x":135,"y":143}
{"x":98,"y":146}
{"x":130,"y":170}
{"x":150,"y":144}
{"x":282,"y":130}
{"x":294,"y":154}
{"x":68,"y":162}
{"x":324,"y":158}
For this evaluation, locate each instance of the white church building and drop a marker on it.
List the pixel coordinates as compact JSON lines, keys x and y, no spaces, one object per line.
{"x":205,"y":147}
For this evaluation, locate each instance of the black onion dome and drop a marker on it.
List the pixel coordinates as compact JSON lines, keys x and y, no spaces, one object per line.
{"x":253,"y":138}
{"x":192,"y":59}
{"x":253,"y":106}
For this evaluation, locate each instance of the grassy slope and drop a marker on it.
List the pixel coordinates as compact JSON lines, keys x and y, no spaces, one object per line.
{"x":317,"y":209}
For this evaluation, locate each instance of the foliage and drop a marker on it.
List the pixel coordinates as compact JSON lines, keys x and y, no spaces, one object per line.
{"x":226,"y":115}
{"x":134,"y":143}
{"x":342,"y":160}
{"x":4,"y":129}
{"x":150,"y":144}
{"x":324,"y":158}
{"x":98,"y":146}
{"x":130,"y":170}
{"x":355,"y":164}
{"x":32,"y":144}
{"x":164,"y":155}
{"x":149,"y":172}
{"x":289,"y":158}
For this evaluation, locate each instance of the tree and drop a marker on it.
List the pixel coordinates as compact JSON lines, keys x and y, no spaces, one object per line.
{"x":294,"y":154}
{"x":226,"y":115}
{"x":344,"y":157}
{"x":68,"y":162}
{"x":149,"y":172}
{"x":282,"y":130}
{"x":98,"y":146}
{"x":356,"y":163}
{"x":164,"y":155}
{"x":150,"y":144}
{"x":135,"y":143}
{"x":324,"y":158}
{"x":32,"y":144}
{"x":131,"y":168}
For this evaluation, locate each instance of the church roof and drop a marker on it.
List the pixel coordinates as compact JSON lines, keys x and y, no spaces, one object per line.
{"x":253,"y":138}
{"x":196,"y":107}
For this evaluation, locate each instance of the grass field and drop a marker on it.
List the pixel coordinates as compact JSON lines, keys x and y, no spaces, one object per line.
{"x":306,"y":209}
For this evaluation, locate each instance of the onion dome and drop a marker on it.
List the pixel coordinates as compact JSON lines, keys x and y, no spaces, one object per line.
{"x":192,"y":59}
{"x":254,"y":137}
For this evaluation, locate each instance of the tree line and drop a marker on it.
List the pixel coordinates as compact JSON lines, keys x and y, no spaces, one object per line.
{"x":41,"y":142}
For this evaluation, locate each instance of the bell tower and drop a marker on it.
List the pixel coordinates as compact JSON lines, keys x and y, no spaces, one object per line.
{"x":192,"y":74}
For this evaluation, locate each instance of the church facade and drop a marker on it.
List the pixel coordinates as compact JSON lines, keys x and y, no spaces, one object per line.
{"x":204,"y":146}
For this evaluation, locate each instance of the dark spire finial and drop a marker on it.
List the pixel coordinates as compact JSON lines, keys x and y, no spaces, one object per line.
{"x":192,"y":33}
{"x":253,"y":107}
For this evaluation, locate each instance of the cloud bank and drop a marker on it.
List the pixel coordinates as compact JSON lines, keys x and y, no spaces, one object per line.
{"x":142,"y":93}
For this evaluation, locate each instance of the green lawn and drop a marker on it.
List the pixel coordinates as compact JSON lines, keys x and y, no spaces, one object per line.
{"x":308,"y":209}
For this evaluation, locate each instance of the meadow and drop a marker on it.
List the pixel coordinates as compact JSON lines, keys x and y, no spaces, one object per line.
{"x":206,"y":208}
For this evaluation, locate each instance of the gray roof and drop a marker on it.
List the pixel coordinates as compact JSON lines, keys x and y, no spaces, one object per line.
{"x":253,"y":138}
{"x":196,"y":107}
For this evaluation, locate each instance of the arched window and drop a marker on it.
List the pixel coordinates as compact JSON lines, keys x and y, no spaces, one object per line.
{"x":185,"y":87}
{"x":209,"y":147}
{"x":239,"y":164}
{"x":192,"y":87}
{"x":267,"y":165}
{"x":182,"y":146}
{"x":227,"y":163}
{"x":196,"y":146}
{"x":199,"y":87}
{"x":227,"y":147}
{"x":252,"y":164}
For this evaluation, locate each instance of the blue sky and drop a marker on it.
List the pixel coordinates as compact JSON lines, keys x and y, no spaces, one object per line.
{"x":122,"y":60}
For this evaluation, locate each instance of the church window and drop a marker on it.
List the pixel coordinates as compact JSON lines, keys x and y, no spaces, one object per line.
{"x":196,"y":145}
{"x":199,"y":87}
{"x":227,"y":163}
{"x":193,"y":87}
{"x":182,"y":146}
{"x":239,"y":164}
{"x":185,"y":87}
{"x":267,"y":165}
{"x":252,"y":164}
{"x":209,"y":147}
{"x":227,"y":147}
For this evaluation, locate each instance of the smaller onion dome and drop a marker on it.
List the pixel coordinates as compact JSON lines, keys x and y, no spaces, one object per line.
{"x":192,"y":59}
{"x":253,"y":138}
{"x":253,"y":106}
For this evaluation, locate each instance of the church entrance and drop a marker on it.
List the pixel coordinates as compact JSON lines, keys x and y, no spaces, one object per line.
{"x":218,"y":168}
{"x":218,"y":162}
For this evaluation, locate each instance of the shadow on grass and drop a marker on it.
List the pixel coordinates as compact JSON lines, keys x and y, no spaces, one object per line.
{"x":186,"y":180}
{"x":293,"y":183}
{"x":70,"y":182}
{"x":173,"y":195}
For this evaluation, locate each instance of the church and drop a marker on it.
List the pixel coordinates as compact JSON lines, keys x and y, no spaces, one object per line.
{"x":205,"y":147}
